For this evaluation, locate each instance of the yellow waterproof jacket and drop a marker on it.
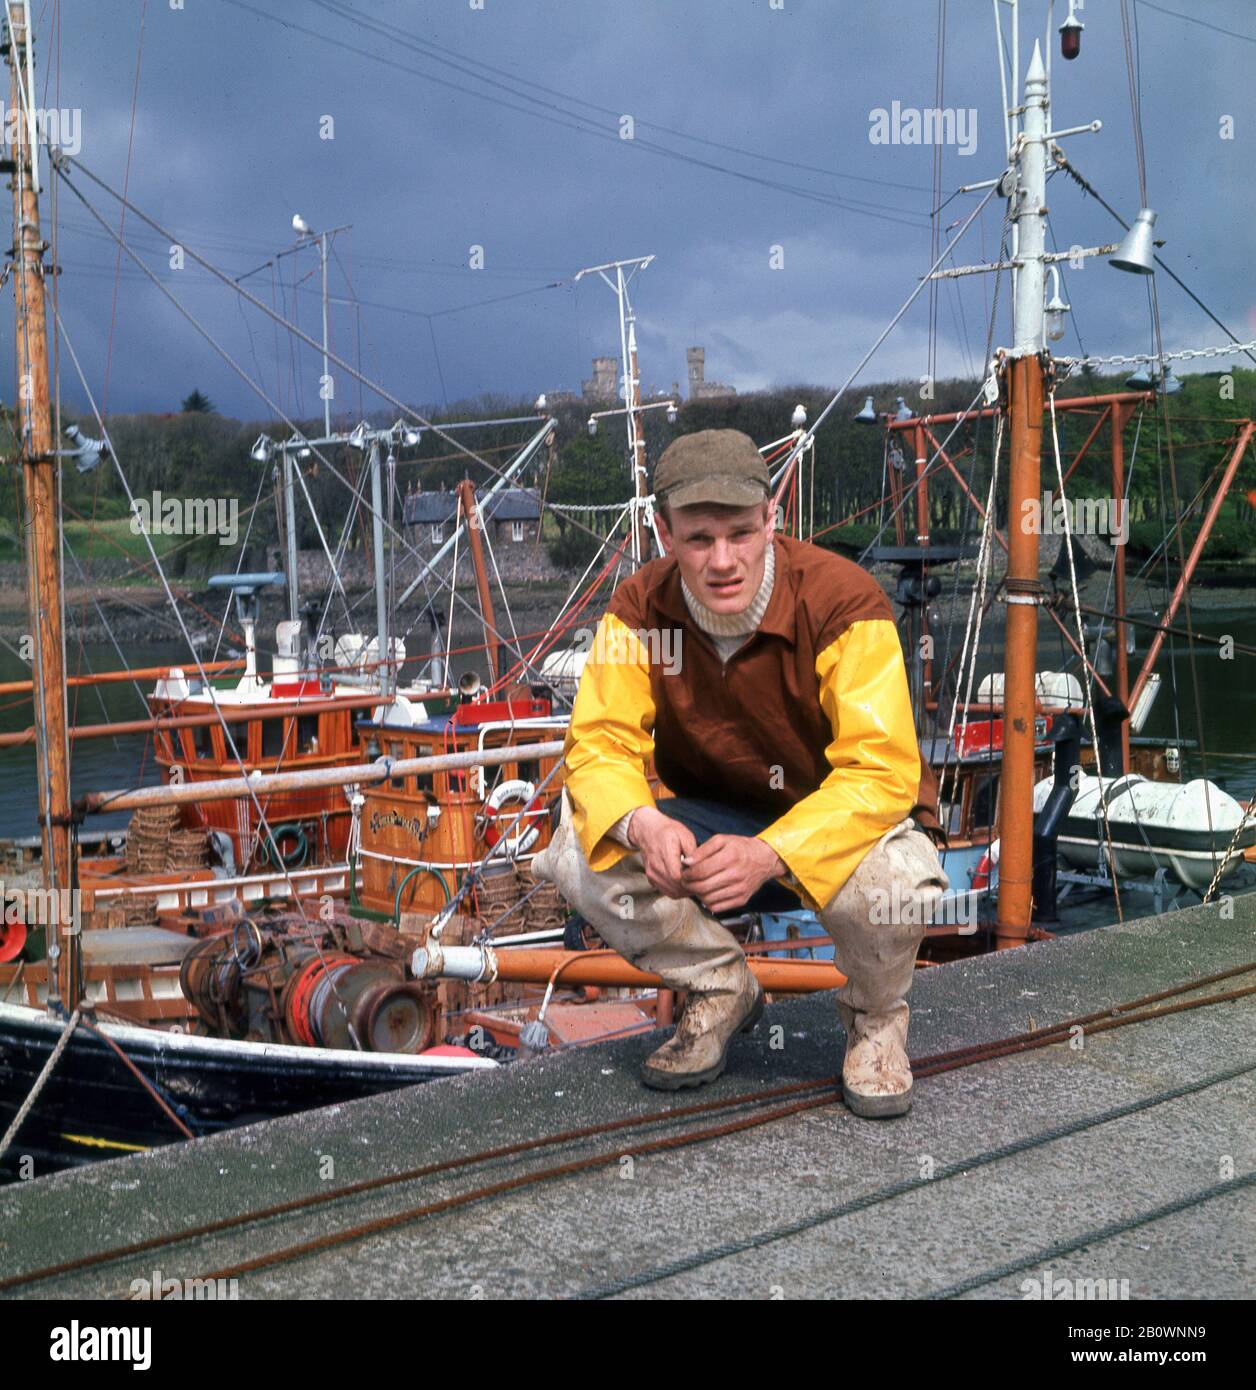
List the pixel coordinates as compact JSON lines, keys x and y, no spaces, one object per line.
{"x":809,"y":722}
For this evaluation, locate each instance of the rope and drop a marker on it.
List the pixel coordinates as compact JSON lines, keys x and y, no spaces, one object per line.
{"x":758,"y":1241}
{"x":1100,"y":1233}
{"x":889,"y":327}
{"x":40,"y":1082}
{"x":1081,"y":637}
{"x":978,"y":597}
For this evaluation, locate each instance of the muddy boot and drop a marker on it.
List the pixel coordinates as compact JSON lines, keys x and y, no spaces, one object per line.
{"x":697,"y":1052}
{"x":876,"y":1073}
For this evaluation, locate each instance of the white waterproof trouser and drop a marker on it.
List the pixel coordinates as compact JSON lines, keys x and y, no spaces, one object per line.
{"x":877,"y":919}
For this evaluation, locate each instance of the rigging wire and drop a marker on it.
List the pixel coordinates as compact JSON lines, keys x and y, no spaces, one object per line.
{"x":1081,"y":635}
{"x":262,"y":821}
{"x":419,"y":44}
{"x":647,"y":146}
{"x":1136,"y":114}
{"x":260,"y":391}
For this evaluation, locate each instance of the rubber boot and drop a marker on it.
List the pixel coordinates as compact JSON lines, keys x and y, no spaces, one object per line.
{"x":698,"y":1051}
{"x":876,"y":1072}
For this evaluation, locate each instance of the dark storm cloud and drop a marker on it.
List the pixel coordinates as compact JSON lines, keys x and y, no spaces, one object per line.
{"x":429,"y":160}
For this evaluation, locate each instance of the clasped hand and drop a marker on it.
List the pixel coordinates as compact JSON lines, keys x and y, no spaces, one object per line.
{"x":724,"y":873}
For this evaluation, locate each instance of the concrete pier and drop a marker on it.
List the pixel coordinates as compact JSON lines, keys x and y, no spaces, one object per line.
{"x":819,"y":1204}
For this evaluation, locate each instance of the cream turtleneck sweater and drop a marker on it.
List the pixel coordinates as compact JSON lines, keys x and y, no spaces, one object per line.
{"x":729,"y":632}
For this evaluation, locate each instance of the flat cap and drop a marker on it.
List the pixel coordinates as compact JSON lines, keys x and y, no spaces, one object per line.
{"x":721,"y":466}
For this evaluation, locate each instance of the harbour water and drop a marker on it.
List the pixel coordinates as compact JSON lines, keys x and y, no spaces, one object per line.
{"x":1226,"y":713}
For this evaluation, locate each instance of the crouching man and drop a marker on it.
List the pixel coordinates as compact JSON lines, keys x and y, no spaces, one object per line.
{"x":765,"y":676}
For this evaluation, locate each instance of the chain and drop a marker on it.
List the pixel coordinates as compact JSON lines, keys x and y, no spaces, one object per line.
{"x":1146,"y":358}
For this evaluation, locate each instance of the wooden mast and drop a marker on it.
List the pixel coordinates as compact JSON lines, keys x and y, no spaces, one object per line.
{"x":41,"y":491}
{"x":475,"y":520}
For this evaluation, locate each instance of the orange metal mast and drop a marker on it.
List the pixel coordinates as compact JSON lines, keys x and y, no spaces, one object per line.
{"x":1016,"y":809}
{"x":1024,"y":591}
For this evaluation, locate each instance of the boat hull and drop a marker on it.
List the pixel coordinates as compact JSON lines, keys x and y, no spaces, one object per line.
{"x":92,"y":1107}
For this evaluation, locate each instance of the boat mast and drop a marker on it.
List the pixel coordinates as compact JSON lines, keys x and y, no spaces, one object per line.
{"x":387,"y":672}
{"x":636,"y":446}
{"x":630,"y":394}
{"x":41,"y":490}
{"x":1024,"y":385}
{"x":474,"y":522}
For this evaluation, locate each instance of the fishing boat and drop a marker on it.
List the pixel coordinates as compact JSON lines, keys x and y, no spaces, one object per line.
{"x":371,"y":920}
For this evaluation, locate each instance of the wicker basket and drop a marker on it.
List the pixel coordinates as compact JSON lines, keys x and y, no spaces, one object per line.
{"x":188,"y":850}
{"x":149,"y":837}
{"x":544,"y":909}
{"x":497,"y":891}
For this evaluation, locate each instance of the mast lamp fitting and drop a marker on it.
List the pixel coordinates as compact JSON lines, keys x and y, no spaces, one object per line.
{"x":1071,"y":35}
{"x":1137,"y":253}
{"x":1056,"y":308}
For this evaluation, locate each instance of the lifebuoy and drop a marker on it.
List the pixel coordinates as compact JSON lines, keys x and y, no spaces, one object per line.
{"x":12,"y":939}
{"x":525,"y":835}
